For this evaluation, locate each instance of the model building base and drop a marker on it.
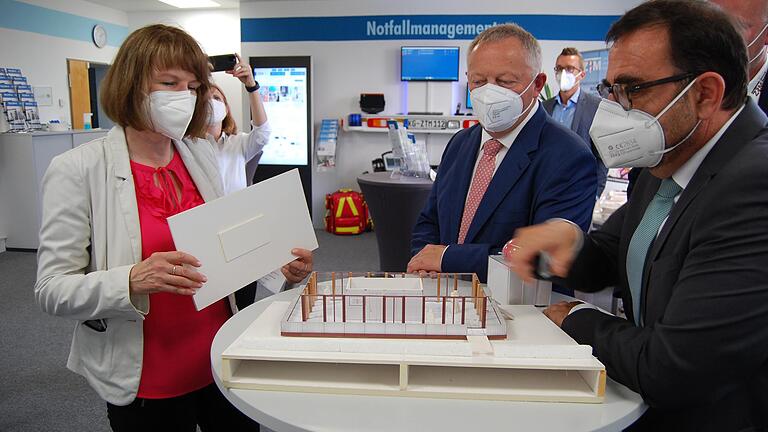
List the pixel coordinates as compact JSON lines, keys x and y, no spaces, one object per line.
{"x":536,"y":362}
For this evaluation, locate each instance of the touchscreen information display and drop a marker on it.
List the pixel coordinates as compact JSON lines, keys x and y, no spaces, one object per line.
{"x":284,"y":94}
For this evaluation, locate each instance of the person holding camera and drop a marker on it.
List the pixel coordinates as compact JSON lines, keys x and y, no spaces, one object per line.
{"x":235,"y":150}
{"x":106,"y":252}
{"x":238,"y":156}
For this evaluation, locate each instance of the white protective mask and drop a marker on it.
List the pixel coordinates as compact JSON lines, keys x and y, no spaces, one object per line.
{"x":171,"y":112}
{"x":497,"y":107}
{"x":754,"y":41}
{"x":631,"y":138}
{"x":566,"y":80}
{"x":217,"y":113}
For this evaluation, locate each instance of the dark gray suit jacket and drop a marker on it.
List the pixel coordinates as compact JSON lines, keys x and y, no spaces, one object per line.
{"x":586,"y":107}
{"x":701,"y":361}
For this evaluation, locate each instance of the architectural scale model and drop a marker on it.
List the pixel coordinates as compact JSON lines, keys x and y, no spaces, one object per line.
{"x":405,"y":335}
{"x":394,"y":305}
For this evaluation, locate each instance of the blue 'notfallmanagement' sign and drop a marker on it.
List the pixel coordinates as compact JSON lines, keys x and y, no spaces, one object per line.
{"x":433,"y":27}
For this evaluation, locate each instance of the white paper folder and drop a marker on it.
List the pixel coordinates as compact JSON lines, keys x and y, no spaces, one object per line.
{"x":245,"y":235}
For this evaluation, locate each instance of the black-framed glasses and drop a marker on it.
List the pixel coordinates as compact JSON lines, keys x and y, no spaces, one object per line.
{"x":623,"y":92}
{"x":569,"y":69}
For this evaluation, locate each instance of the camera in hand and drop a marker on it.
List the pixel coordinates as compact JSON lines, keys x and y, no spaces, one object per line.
{"x":224,"y":62}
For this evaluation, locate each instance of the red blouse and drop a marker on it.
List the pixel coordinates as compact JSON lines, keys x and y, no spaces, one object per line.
{"x":177,"y":338}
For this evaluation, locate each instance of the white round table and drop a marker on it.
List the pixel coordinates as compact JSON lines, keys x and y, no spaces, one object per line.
{"x":291,"y":411}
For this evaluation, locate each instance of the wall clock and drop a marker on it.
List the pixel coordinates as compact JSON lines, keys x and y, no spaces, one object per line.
{"x":99,"y":36}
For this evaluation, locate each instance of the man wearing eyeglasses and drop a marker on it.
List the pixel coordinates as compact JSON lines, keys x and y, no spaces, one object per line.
{"x":752,"y":20}
{"x":573,"y":108}
{"x":689,"y":250}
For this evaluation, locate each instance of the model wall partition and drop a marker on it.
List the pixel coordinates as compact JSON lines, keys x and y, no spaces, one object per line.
{"x":398,"y":304}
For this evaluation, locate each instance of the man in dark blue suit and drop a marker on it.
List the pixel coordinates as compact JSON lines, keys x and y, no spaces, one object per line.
{"x":574,"y":108}
{"x":519,"y":168}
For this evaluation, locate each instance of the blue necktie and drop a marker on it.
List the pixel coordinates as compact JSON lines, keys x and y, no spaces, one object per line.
{"x":646,"y":231}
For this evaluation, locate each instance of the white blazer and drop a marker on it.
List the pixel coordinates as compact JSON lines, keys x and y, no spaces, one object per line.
{"x":89,"y":240}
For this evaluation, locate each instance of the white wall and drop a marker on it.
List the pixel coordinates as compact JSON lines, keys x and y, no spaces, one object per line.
{"x":217,"y":31}
{"x":343,"y":70}
{"x":84,"y":8}
{"x":43,"y":58}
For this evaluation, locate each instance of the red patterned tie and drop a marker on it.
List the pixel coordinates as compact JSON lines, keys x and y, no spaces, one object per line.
{"x":480,"y":183}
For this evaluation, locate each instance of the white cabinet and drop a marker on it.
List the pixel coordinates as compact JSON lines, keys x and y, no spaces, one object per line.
{"x":24,"y":158}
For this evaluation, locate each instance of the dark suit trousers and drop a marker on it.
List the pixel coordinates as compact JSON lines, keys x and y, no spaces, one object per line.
{"x":206,"y":407}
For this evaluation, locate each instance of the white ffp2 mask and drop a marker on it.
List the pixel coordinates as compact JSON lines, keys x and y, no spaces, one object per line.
{"x":566,"y":80}
{"x":171,"y":112}
{"x":497,"y":107}
{"x":217,"y":113}
{"x":631,"y":138}
{"x":754,"y":41}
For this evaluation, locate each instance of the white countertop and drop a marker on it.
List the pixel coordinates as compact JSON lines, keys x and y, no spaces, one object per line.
{"x":65,"y":132}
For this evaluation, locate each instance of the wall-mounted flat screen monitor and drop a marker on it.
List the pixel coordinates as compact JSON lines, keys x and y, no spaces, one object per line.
{"x":468,"y":102}
{"x":419,"y":63}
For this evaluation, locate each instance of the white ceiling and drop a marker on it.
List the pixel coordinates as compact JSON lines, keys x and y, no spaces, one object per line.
{"x":154,"y":5}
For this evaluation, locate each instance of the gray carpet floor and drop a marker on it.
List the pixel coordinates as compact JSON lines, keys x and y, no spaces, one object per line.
{"x":38,"y":392}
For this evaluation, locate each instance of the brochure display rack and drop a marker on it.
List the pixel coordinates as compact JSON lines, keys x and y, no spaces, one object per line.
{"x":17,"y":100}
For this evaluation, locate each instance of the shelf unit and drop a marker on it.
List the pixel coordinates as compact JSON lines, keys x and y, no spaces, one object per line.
{"x":402,"y":118}
{"x":384,"y":130}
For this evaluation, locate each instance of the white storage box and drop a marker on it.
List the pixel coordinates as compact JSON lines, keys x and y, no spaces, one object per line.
{"x":508,"y":289}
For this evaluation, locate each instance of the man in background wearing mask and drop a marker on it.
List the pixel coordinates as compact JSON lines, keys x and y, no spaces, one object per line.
{"x":573,"y":108}
{"x":517,"y":168}
{"x":689,"y":249}
{"x":752,"y":20}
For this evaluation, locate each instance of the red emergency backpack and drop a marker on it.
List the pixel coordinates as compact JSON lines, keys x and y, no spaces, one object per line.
{"x":346,"y":212}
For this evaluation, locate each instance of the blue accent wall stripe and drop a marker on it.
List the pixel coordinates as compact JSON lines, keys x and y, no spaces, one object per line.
{"x":415,"y":27}
{"x":22,"y":16}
